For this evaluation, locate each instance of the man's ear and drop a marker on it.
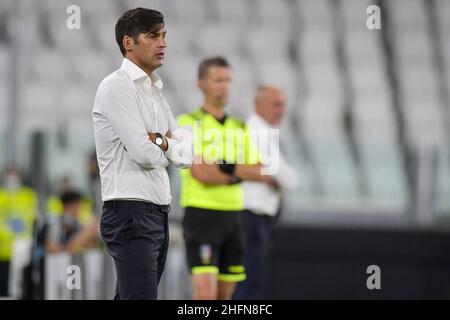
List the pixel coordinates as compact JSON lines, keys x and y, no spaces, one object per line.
{"x":201,"y":84}
{"x":128,"y":43}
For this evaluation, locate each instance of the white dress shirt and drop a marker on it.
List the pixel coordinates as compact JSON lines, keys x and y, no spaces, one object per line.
{"x":128,"y":105}
{"x":258,"y":196}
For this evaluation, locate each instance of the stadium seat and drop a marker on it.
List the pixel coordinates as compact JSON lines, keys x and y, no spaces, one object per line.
{"x":298,"y":45}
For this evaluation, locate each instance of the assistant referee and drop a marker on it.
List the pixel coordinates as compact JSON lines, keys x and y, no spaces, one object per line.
{"x":211,"y":192}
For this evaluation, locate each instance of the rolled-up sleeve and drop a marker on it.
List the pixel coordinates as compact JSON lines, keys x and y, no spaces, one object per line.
{"x":120,"y":108}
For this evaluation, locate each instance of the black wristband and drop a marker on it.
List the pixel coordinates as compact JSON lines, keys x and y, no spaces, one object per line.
{"x":228,"y":168}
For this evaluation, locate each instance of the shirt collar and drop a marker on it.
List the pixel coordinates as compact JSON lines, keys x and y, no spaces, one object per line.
{"x":135,"y":73}
{"x":260,"y":120}
{"x":221,"y":121}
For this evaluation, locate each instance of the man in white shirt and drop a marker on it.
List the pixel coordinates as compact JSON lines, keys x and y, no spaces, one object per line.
{"x":262,"y":201}
{"x":136,"y":138}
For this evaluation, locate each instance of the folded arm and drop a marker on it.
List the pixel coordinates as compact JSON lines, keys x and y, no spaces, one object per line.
{"x":120,"y":108}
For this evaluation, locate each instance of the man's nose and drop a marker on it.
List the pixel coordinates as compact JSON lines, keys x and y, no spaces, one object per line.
{"x":163,"y":43}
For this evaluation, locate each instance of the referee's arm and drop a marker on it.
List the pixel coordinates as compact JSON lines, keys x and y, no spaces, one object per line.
{"x":209,"y":174}
{"x":120,"y":107}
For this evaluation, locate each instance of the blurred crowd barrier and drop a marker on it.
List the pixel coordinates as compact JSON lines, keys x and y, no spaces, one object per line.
{"x":97,"y":277}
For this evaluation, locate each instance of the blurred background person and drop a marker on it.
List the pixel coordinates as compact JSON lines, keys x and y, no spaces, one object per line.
{"x":18,"y":204}
{"x":211,"y":192}
{"x":55,"y":208}
{"x":18,"y":212}
{"x":65,"y":233}
{"x":6,"y":248}
{"x":262,"y":201}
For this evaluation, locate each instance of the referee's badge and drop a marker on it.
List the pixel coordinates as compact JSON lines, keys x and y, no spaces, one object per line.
{"x":205,"y":253}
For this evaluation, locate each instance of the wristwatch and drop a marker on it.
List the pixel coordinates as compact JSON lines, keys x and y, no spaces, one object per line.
{"x":159,"y":141}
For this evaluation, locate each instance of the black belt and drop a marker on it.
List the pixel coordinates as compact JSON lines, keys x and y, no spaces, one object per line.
{"x":110,"y":204}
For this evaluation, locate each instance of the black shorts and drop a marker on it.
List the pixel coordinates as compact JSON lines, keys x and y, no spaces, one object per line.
{"x":215,"y":243}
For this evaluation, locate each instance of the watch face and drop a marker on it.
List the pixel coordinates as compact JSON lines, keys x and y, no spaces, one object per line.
{"x":159,"y":141}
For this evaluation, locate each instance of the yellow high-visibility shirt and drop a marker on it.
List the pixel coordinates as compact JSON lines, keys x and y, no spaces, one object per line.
{"x":214,"y":142}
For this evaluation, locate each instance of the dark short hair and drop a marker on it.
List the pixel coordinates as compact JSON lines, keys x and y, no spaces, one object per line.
{"x":208,"y":63}
{"x":137,"y":21}
{"x":70,"y":197}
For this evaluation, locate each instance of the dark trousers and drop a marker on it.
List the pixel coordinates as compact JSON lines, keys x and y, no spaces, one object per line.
{"x":4,"y":278}
{"x":258,"y":230}
{"x":137,"y":237}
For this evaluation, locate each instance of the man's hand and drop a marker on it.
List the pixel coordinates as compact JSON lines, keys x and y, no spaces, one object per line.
{"x":271,"y":182}
{"x":152,"y":137}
